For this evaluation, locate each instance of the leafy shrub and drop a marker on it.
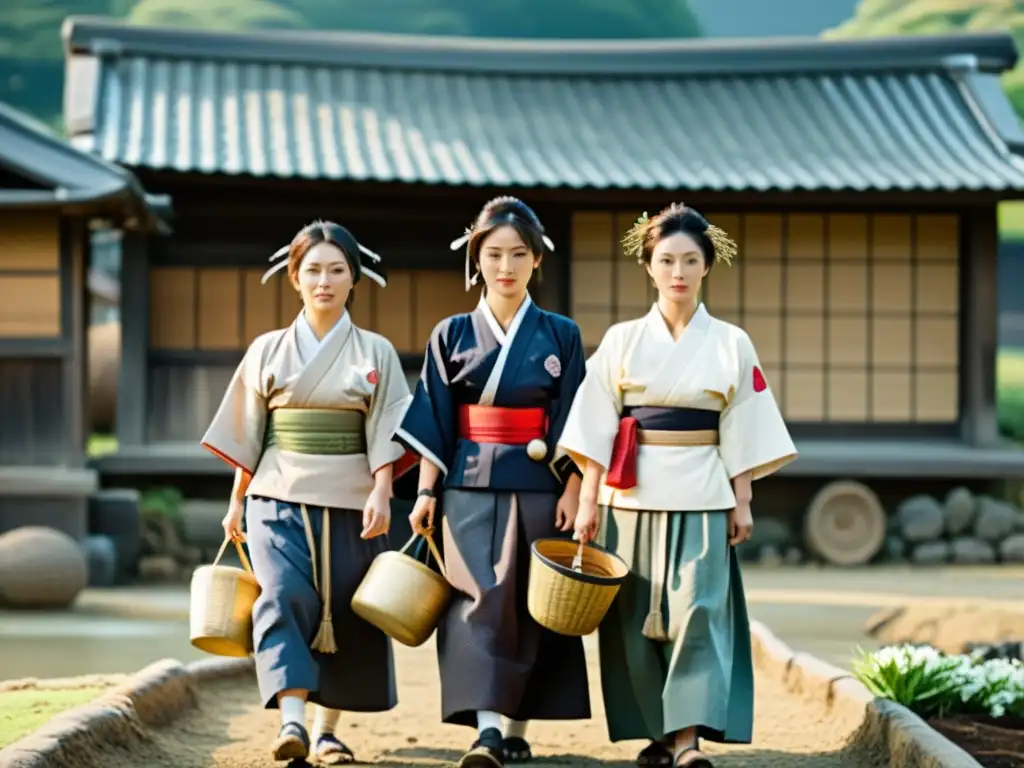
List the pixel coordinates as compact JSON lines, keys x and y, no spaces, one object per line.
{"x":932,"y":684}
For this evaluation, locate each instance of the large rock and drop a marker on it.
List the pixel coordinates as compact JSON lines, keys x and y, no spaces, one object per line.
{"x":921,"y":519}
{"x":971,"y":551}
{"x":895,"y":549}
{"x":40,"y":568}
{"x":1011,"y":549}
{"x":931,"y":553}
{"x":995,"y":520}
{"x":959,"y":509}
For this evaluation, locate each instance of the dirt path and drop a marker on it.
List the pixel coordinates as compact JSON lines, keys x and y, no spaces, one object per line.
{"x":230,"y":731}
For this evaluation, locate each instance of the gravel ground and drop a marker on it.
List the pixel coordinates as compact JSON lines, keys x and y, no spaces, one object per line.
{"x":229,"y":730}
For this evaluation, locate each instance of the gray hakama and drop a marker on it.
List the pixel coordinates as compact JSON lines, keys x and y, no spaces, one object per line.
{"x":492,"y":655}
{"x":360,"y":676}
{"x":703,"y":675}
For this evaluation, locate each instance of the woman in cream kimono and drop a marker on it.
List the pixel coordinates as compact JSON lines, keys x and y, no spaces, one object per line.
{"x":673,"y":422}
{"x":307,"y":422}
{"x":496,"y":387}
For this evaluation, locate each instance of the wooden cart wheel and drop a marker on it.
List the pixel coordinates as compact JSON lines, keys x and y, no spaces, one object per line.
{"x":845,"y":524}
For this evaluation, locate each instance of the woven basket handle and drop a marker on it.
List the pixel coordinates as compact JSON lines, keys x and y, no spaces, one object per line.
{"x":241,"y":554}
{"x":428,"y":534}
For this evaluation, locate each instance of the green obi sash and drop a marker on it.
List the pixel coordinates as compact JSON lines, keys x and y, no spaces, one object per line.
{"x":319,"y":431}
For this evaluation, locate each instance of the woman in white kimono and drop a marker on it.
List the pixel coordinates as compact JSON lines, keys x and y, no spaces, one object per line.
{"x":496,"y":387}
{"x":307,"y":423}
{"x":672,"y":423}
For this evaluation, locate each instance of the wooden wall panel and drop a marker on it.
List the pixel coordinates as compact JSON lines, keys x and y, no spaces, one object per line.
{"x":30,"y":306}
{"x":29,"y":242}
{"x":172,"y":303}
{"x":219,"y":316}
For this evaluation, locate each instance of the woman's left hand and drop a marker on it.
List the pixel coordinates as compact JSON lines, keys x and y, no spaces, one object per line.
{"x":376,"y":514}
{"x":566,"y":509}
{"x":741,"y":524}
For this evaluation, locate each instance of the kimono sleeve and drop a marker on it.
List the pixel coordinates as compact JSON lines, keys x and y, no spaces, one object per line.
{"x":573,"y":371}
{"x":387,"y":406}
{"x":428,"y":426}
{"x":752,"y":433}
{"x":593,"y":420}
{"x":236,"y":432}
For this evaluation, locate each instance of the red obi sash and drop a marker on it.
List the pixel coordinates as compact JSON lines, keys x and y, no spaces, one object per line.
{"x":508,"y":426}
{"x":622,"y":468}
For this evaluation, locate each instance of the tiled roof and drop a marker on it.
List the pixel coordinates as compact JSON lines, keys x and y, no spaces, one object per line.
{"x":895,"y":114}
{"x":57,"y":174}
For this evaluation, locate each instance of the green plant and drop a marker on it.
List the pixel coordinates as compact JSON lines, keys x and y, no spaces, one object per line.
{"x":932,"y":684}
{"x":920,"y":678}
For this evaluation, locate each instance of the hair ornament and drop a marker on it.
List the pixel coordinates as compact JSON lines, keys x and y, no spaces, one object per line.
{"x":725,"y":246}
{"x":633,"y":241}
{"x":280,"y":256}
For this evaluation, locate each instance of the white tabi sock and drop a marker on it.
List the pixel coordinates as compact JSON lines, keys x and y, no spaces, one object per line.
{"x":325,"y":722}
{"x":485,"y":720}
{"x":516,"y":729}
{"x":293,"y":710}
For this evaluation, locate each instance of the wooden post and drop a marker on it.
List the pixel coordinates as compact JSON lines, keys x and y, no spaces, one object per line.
{"x":132,"y":379}
{"x":978,"y":326}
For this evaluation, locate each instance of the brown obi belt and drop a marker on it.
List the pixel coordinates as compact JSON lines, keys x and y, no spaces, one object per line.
{"x":656,"y":425}
{"x":506,"y":426}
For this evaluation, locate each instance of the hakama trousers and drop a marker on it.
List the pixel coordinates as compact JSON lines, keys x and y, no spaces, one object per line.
{"x":703,"y":676}
{"x":492,"y":655}
{"x":360,"y":676}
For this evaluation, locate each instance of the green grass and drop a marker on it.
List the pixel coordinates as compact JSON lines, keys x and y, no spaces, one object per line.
{"x":1010,"y":392}
{"x":100,"y":445}
{"x":22,"y":712}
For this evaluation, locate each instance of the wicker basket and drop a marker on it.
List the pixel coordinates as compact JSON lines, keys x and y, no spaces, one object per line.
{"x":220,"y":610}
{"x":401,"y":596}
{"x":572,"y":585}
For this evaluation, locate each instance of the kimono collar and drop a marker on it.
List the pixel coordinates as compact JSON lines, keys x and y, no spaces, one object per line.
{"x":496,"y":329}
{"x":306,"y":339}
{"x":656,"y":323}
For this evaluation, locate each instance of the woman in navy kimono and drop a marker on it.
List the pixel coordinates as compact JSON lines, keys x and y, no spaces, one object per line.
{"x":486,"y":415}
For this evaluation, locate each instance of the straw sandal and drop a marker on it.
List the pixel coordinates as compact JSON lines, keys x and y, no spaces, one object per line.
{"x":330,"y":750}
{"x":654,"y":755}
{"x":517,"y":750}
{"x":292,"y":743}
{"x":486,"y":751}
{"x":697,"y":762}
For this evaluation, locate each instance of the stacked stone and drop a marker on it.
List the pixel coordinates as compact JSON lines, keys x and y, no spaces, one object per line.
{"x":962,"y":528}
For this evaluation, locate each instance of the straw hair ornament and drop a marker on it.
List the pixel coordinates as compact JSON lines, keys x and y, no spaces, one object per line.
{"x":633,"y":241}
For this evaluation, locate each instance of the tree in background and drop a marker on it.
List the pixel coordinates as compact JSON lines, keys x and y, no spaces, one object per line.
{"x":490,"y":18}
{"x":879,"y":18}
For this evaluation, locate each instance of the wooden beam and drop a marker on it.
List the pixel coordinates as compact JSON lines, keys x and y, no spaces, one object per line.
{"x":978,"y":327}
{"x":132,"y":378}
{"x":73,"y":331}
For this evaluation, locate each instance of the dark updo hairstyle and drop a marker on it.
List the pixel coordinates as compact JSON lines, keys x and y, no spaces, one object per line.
{"x":714,"y":243}
{"x":506,"y":211}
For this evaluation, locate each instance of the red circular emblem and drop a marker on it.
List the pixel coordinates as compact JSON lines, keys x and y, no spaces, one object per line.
{"x":372,"y":377}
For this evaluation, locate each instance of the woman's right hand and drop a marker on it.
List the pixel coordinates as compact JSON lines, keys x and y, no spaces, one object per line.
{"x":423,"y":511}
{"x":587,"y":521}
{"x":232,"y":522}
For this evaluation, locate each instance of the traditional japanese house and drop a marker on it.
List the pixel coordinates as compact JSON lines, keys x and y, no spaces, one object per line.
{"x":860,"y":178}
{"x":51,"y":195}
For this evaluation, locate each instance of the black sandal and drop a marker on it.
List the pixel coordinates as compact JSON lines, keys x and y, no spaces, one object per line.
{"x":486,"y":751}
{"x":654,"y":755}
{"x":330,"y":750}
{"x":292,"y":743}
{"x":700,"y":762}
{"x":517,"y":750}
